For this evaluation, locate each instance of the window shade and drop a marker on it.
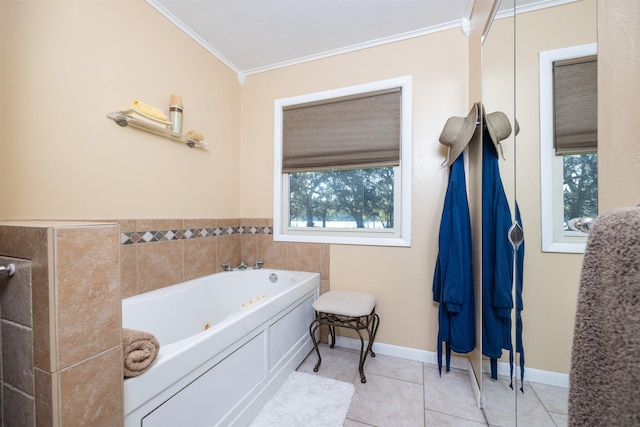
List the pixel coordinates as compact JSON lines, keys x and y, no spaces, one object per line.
{"x":355,"y":131}
{"x":575,"y":106}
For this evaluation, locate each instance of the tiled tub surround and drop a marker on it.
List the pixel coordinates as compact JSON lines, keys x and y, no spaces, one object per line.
{"x":76,"y":301}
{"x":76,"y":308}
{"x":17,"y":389}
{"x":159,"y":253}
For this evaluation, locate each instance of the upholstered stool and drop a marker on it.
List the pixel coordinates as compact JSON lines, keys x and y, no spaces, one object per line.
{"x":346,"y":309}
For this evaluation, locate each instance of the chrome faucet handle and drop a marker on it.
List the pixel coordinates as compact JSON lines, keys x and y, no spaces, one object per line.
{"x":8,"y":270}
{"x":227,"y":266}
{"x":258,"y":265}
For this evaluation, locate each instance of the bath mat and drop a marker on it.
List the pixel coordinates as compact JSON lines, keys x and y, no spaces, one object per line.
{"x":307,"y":400}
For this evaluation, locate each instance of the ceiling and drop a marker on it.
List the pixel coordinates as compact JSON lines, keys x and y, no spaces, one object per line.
{"x":251,"y":36}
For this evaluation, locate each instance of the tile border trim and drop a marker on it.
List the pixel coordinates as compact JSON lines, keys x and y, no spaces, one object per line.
{"x":137,"y":237}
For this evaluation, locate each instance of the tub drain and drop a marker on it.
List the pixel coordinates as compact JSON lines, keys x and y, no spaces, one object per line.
{"x":206,"y":326}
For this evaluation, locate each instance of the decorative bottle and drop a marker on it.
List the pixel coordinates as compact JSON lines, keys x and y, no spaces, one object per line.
{"x":175,"y":113}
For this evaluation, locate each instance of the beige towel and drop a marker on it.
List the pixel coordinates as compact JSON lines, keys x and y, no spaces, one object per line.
{"x":605,"y":360}
{"x":139,"y":351}
{"x":195,"y":135}
{"x":149,"y":110}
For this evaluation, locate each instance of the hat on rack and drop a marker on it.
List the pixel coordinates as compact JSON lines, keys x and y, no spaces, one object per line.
{"x":499,"y":128}
{"x":457,"y":133}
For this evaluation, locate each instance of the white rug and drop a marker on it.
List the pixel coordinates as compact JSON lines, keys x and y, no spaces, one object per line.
{"x":307,"y":400}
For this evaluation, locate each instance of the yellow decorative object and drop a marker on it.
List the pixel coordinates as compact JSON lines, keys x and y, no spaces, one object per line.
{"x":252,"y":301}
{"x":195,"y":135}
{"x":149,"y":110}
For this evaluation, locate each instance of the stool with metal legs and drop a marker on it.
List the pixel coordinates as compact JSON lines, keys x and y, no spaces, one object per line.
{"x":346,"y":309}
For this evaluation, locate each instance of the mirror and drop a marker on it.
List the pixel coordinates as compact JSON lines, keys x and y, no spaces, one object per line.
{"x":498,"y":96}
{"x":510,"y":73}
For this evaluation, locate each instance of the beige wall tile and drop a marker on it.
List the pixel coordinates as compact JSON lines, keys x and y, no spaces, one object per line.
{"x":88,"y":300}
{"x":249,"y":249}
{"x":324,"y":286}
{"x":158,"y":224}
{"x":17,"y":356}
{"x":45,"y":391}
{"x":256,"y":222}
{"x":17,"y":409}
{"x":160,"y":264}
{"x":200,"y":257}
{"x":23,"y":242}
{"x":32,"y":243}
{"x":304,"y":257}
{"x":128,"y":270}
{"x":15,"y":292}
{"x":274,"y":254}
{"x":228,"y":222}
{"x":228,"y":250}
{"x":200,"y":223}
{"x":88,"y":397}
{"x":325,"y":262}
{"x":126,"y":225}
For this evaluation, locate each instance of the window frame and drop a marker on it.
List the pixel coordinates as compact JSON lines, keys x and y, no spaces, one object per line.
{"x":401,"y":234}
{"x":553,"y":236}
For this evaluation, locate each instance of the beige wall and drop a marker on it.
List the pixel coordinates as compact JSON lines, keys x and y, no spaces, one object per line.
{"x":65,"y":65}
{"x":619,"y":109}
{"x":401,"y":278}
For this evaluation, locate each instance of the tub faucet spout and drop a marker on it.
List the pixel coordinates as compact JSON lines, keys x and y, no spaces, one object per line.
{"x":242,"y":266}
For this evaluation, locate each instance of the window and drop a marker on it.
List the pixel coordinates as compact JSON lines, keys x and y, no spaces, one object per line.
{"x":342,"y":165}
{"x":568,"y":145}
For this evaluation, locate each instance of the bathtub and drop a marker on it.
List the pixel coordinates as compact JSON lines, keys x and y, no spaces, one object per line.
{"x":227,"y":342}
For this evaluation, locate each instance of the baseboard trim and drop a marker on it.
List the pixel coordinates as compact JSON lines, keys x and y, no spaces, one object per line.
{"x":403,"y":352}
{"x":531,"y":374}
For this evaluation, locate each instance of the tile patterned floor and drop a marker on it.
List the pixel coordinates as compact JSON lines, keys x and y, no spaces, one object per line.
{"x":401,"y":392}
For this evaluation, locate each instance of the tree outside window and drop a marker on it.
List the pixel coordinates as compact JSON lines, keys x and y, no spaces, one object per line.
{"x":580,"y":186}
{"x":355,"y":198}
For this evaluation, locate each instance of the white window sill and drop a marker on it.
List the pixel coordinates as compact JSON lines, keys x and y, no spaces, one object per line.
{"x":342,"y":240}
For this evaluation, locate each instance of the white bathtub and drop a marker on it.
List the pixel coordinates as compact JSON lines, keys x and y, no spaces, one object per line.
{"x":227,"y":342}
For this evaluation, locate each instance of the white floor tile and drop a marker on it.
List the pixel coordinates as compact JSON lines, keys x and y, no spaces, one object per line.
{"x":401,"y":392}
{"x":394,"y":367}
{"x":561,"y":420}
{"x":387,"y":402}
{"x":337,"y":363}
{"x":554,"y":399}
{"x":351,"y":423}
{"x":451,"y":394}
{"x":438,"y":419}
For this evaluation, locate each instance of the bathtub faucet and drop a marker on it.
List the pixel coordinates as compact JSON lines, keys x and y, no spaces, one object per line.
{"x":227,"y":266}
{"x":258,"y":265}
{"x":242,"y":266}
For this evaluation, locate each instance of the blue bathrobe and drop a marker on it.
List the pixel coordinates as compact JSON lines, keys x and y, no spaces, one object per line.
{"x":519,"y":304}
{"x":453,"y":277}
{"x":497,"y":260}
